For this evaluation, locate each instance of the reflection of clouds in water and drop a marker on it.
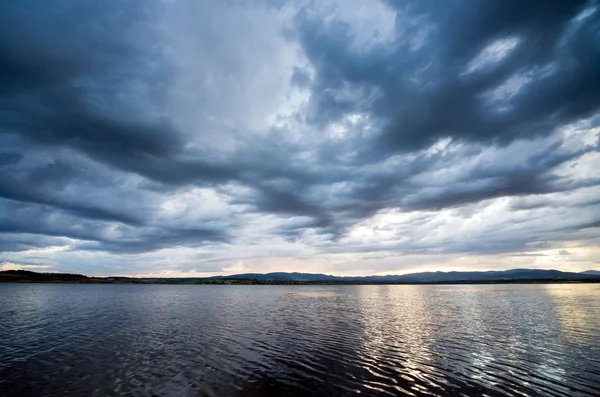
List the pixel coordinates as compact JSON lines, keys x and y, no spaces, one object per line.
{"x":304,"y":340}
{"x":513,"y":325}
{"x":481,"y":336}
{"x":434,"y":337}
{"x":576,"y":308}
{"x":491,"y":289}
{"x":310,"y":294}
{"x":312,"y":334}
{"x":399,"y":344}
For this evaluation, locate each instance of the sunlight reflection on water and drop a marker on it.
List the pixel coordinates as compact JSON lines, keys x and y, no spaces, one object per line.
{"x":145,"y":340}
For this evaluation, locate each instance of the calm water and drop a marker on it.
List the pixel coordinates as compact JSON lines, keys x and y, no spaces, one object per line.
{"x":155,"y":340}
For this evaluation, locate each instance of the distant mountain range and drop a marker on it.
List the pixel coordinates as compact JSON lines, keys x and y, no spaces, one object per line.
{"x":425,"y":277}
{"x":506,"y":276}
{"x":593,"y":272}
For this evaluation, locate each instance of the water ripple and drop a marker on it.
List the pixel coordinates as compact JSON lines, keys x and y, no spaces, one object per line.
{"x":136,"y":340}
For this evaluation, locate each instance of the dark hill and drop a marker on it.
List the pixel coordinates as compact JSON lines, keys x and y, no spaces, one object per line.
{"x":421,"y":278}
{"x":592,"y":272}
{"x":506,"y":276}
{"x":28,"y":276}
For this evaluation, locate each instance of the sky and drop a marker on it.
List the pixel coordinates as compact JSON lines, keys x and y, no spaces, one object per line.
{"x":196,"y":138}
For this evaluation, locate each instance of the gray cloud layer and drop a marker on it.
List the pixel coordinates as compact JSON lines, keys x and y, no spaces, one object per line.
{"x":111,"y":113}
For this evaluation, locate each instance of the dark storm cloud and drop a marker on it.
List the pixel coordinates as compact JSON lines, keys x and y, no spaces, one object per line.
{"x":74,"y":81}
{"x":300,"y":78}
{"x":425,"y":94}
{"x":428,"y":93}
{"x":157,"y":238}
{"x":93,"y":234}
{"x":411,"y":186}
{"x":532,"y":177}
{"x":70,"y":78}
{"x":88,"y":153}
{"x":8,"y":158}
{"x":23,"y":242}
{"x":43,"y":185}
{"x":534,"y":202}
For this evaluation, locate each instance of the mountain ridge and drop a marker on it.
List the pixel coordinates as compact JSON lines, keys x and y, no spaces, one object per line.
{"x":437,"y":277}
{"x":421,"y":277}
{"x":593,"y":272}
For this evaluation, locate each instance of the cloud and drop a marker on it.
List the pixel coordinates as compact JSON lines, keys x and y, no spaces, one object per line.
{"x":435,"y":92}
{"x":18,"y":266}
{"x":148,"y":132}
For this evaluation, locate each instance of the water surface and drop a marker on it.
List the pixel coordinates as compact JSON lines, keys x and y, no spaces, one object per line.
{"x":178,"y":340}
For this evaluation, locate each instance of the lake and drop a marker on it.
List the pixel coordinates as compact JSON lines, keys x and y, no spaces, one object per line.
{"x":205,"y":340}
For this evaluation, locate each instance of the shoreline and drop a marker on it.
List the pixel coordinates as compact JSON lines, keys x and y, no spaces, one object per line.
{"x":301,"y":283}
{"x":519,"y":276}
